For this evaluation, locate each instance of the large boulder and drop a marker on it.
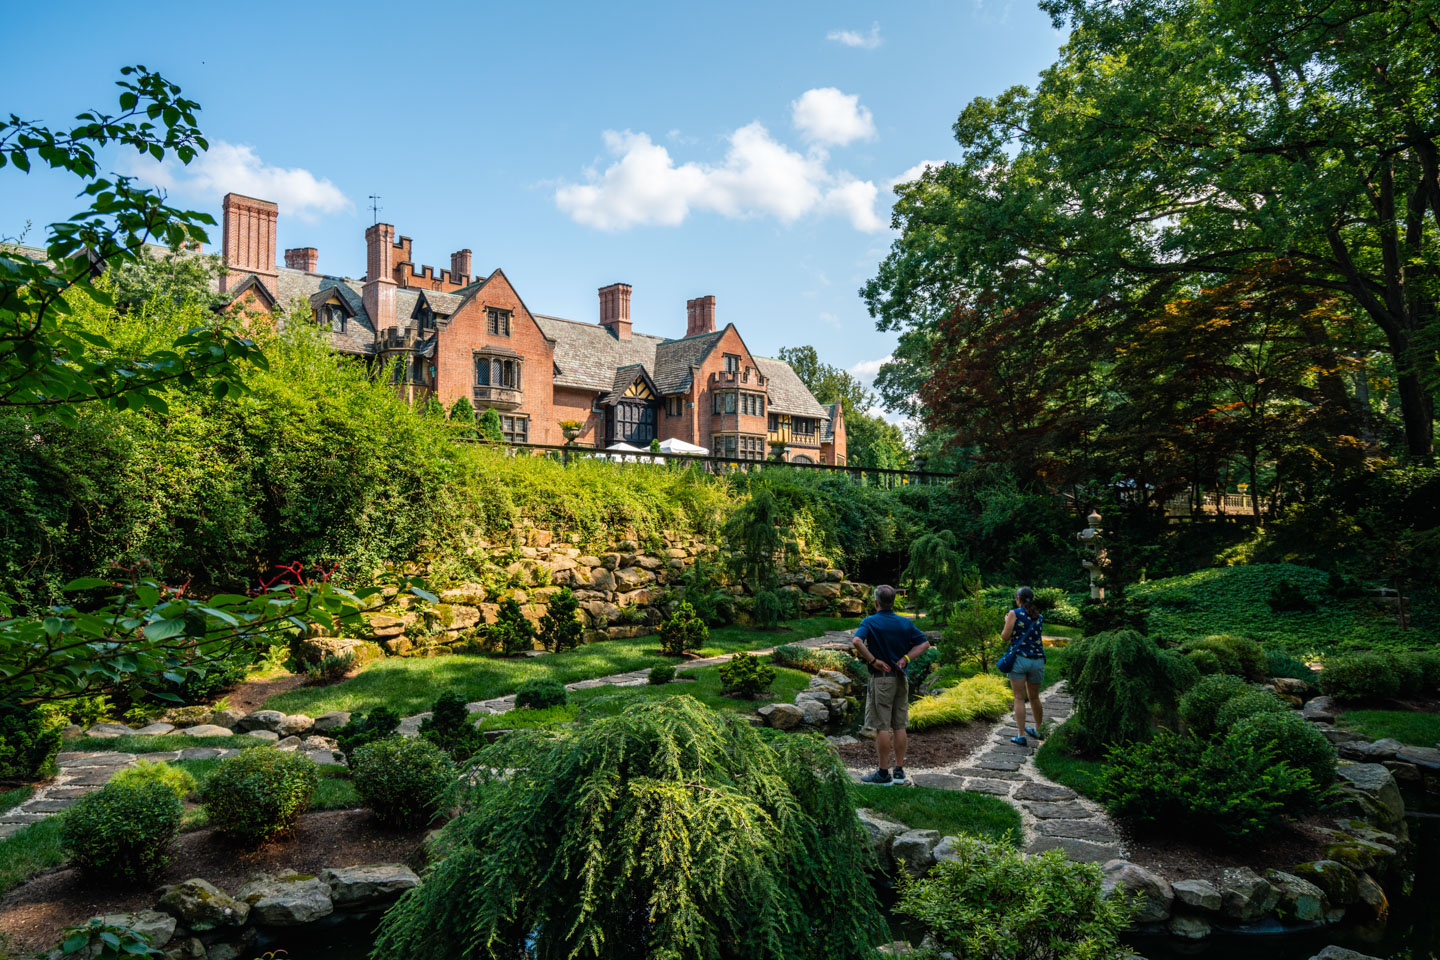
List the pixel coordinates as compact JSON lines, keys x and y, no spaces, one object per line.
{"x":109,"y":731}
{"x":200,"y":905}
{"x":156,"y":729}
{"x":1321,"y":710}
{"x":1197,"y":895}
{"x":261,"y":720}
{"x":226,"y":718}
{"x":367,"y":885}
{"x":879,"y":832}
{"x":1291,"y":687}
{"x":208,"y":730}
{"x":1152,"y":893}
{"x":1187,"y":926}
{"x":1333,"y":952}
{"x":837,"y":678}
{"x":813,"y":713}
{"x":826,"y":591}
{"x":1337,"y":881}
{"x":330,"y":722}
{"x":156,"y":927}
{"x":945,"y":849}
{"x":782,"y":716}
{"x":1370,"y":897}
{"x":1245,"y":895}
{"x":286,"y":900}
{"x":1377,"y":785}
{"x":295,"y":725}
{"x":1300,"y":900}
{"x":916,"y":849}
{"x":631,"y":578}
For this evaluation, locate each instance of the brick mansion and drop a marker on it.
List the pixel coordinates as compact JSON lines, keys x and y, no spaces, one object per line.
{"x":455,"y":333}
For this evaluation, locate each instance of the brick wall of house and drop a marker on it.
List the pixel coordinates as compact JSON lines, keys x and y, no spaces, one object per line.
{"x":713,"y":377}
{"x":574,"y":404}
{"x":467,"y":332}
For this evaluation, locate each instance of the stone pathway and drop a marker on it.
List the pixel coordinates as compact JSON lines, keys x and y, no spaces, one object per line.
{"x":1053,"y":817}
{"x":79,"y":773}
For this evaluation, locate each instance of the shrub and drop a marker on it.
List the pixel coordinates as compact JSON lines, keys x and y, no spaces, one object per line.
{"x":330,"y":668}
{"x":812,"y":660}
{"x":1360,"y":677}
{"x":1201,"y":704}
{"x":972,"y":633}
{"x":560,"y":628}
{"x":1056,"y":605}
{"x":1293,"y":739}
{"x":768,"y":609}
{"x":29,"y":740}
{"x":1120,"y":681}
{"x":1287,"y":596}
{"x":745,"y":676}
{"x":981,"y":697}
{"x":683,"y":631}
{"x":663,"y":673}
{"x":1116,"y":613}
{"x":180,"y":782}
{"x":709,"y":602}
{"x":449,"y":727}
{"x":122,"y":832}
{"x":1278,"y":663}
{"x":365,"y":728}
{"x":1206,"y":661}
{"x":511,"y":632}
{"x":993,"y":901}
{"x":1227,"y":789}
{"x":919,"y":669}
{"x":1429,"y":663}
{"x":750,"y":841}
{"x":539,"y":694}
{"x":1247,"y":704}
{"x":402,"y":779}
{"x":258,"y":794}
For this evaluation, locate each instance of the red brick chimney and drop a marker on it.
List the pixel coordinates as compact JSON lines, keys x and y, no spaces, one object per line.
{"x":379,"y":290}
{"x":459,"y":265}
{"x":248,"y":240}
{"x":699,"y":316}
{"x":615,"y":309}
{"x":302,"y":258}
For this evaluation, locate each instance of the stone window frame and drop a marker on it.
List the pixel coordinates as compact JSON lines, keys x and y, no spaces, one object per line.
{"x":493,"y":321}
{"x":515,"y":427}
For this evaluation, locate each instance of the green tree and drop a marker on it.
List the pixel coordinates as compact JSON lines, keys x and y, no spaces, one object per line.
{"x":668,"y":831}
{"x":875,"y":442}
{"x":489,"y":426}
{"x":756,"y":549}
{"x":937,"y":569}
{"x":560,"y":627}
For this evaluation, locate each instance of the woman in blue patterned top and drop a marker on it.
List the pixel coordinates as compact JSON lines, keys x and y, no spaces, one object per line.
{"x":1023,"y":627}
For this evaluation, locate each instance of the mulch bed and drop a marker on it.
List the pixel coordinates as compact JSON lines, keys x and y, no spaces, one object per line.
{"x":936,"y":747}
{"x":33,"y":915}
{"x":1180,"y":858}
{"x":252,"y":694}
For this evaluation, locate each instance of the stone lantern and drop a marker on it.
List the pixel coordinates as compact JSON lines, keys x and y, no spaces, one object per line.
{"x":1094,"y":554}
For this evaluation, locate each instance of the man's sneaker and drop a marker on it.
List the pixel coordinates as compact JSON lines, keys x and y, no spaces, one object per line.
{"x":881,"y":777}
{"x":898,"y":775}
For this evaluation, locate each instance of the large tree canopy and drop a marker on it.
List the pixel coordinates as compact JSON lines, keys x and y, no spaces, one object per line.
{"x":1181,"y":143}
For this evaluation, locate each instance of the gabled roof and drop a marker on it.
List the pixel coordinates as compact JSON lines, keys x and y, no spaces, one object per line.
{"x":624,"y":378}
{"x":787,"y":393}
{"x":833,"y":413}
{"x":252,"y":283}
{"x":675,"y":358}
{"x":587,"y":355}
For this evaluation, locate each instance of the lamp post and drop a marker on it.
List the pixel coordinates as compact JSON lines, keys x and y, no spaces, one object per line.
{"x":1095,"y":555}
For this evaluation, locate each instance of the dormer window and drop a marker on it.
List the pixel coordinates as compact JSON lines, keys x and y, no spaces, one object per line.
{"x":335,"y":316}
{"x":424,"y":316}
{"x":497,"y":322}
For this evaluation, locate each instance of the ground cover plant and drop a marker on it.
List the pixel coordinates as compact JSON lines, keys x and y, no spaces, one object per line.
{"x":669,"y":830}
{"x":981,"y":697}
{"x":952,"y":812}
{"x":703,"y":684}
{"x":408,"y":684}
{"x":1419,"y":729}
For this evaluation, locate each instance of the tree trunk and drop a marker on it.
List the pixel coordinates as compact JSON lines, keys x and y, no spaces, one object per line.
{"x":1417,"y":409}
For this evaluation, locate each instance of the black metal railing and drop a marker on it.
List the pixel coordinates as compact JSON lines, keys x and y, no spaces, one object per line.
{"x":868,"y":476}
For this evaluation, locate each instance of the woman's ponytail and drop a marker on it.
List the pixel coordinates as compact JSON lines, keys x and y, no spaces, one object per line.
{"x":1026,"y":598}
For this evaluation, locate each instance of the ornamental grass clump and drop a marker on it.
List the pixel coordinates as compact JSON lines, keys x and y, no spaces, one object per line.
{"x":669,"y":831}
{"x":258,"y":794}
{"x":981,"y":697}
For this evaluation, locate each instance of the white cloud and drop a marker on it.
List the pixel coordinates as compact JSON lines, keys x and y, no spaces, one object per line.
{"x":828,"y":116}
{"x":853,"y":38}
{"x":759,"y":177}
{"x":865,"y":371}
{"x":914,"y":172}
{"x":230,"y":167}
{"x":830,"y":320}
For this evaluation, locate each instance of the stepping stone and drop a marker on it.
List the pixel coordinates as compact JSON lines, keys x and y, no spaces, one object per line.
{"x":942,"y":781}
{"x":10,"y":829}
{"x":1079,"y":829}
{"x":199,"y":753}
{"x":1044,"y":791}
{"x":1008,"y":765}
{"x":987,"y":774}
{"x":155,"y":730}
{"x":68,"y":756}
{"x":88,"y":776}
{"x":70,"y":793}
{"x":1057,"y":811}
{"x":165,"y":756}
{"x":1083,"y":851}
{"x":46,"y":806}
{"x":1009,"y":750}
{"x":21,"y":819}
{"x":998,"y":788}
{"x":107,"y":760}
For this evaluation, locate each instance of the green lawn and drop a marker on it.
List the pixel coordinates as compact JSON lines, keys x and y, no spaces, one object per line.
{"x":12,"y":798}
{"x":1419,"y":729}
{"x":162,"y":744}
{"x":33,"y":849}
{"x":702,"y":684}
{"x":1076,"y":773}
{"x":1060,"y":630}
{"x":952,"y":812}
{"x":410,"y":685}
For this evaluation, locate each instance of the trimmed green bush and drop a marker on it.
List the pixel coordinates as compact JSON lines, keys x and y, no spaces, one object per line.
{"x":1360,"y":677}
{"x":664,"y":673}
{"x":450,"y":728}
{"x":1287,"y":596}
{"x":124,"y":832}
{"x":1202,"y":702}
{"x":993,"y":901}
{"x":29,"y":740}
{"x":366,"y":728}
{"x":1123,"y":682}
{"x":258,"y":794}
{"x":539,"y":694}
{"x":745,"y":676}
{"x":1279,"y":663}
{"x":1294,"y":740}
{"x":1226,"y":789}
{"x":682,"y":631}
{"x":1247,"y":704}
{"x":560,"y":628}
{"x":402,"y":779}
{"x":180,"y":782}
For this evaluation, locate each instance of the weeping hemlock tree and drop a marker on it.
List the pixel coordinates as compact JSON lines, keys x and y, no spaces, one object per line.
{"x":670,"y":831}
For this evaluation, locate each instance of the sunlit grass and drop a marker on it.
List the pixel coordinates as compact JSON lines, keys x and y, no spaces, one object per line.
{"x":952,"y":812}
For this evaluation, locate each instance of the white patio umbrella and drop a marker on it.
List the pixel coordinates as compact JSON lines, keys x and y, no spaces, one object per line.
{"x":680,"y":446}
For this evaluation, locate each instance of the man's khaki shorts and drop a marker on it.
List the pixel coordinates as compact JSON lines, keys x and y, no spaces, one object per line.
{"x":887,"y":702}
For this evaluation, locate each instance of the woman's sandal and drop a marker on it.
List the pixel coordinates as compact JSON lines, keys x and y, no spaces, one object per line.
{"x":1031,"y":732}
{"x":1019,"y":741}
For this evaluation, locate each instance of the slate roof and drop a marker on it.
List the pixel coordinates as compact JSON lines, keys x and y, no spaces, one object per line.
{"x":624,"y":376}
{"x":674,"y":358}
{"x":359,"y":335}
{"x":587,"y":355}
{"x":787,"y":393}
{"x":832,"y":413}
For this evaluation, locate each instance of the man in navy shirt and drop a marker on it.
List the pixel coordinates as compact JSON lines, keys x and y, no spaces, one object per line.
{"x":887,"y":642}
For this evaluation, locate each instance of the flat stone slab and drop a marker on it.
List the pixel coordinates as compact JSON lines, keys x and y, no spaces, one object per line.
{"x":88,"y":776}
{"x":941,"y":781}
{"x":1057,"y":811}
{"x":1077,"y":829}
{"x":155,"y":730}
{"x":1044,"y":791}
{"x":105,"y":760}
{"x":989,"y":774}
{"x":1007,"y":765}
{"x":998,"y":788}
{"x":1083,"y":851}
{"x":208,"y":730}
{"x":70,"y":793}
{"x":46,"y":806}
{"x":199,"y":753}
{"x":164,"y":756}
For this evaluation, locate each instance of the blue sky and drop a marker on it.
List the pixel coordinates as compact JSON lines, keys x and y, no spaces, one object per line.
{"x":744,"y":150}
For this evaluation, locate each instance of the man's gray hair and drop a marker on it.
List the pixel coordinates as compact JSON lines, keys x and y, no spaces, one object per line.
{"x":884,"y":597}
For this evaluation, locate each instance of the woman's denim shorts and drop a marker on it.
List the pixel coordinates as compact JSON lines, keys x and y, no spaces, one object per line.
{"x":1029,"y":669}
